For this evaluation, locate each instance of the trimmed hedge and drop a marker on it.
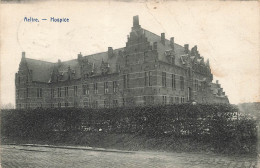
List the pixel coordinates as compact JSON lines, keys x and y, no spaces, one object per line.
{"x":215,"y":124}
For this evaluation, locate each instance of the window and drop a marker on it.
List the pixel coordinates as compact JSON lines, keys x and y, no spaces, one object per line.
{"x":145,"y":78}
{"x":59,"y":92}
{"x":39,"y":92}
{"x":189,"y":94}
{"x":182,"y":99}
{"x":66,"y":91}
{"x":27,"y":106}
{"x":52,"y":93}
{"x":145,"y":100}
{"x":86,"y":103}
{"x":95,"y":104}
{"x":164,"y":99}
{"x":126,"y":59}
{"x":176,"y":99}
{"x":164,"y":79}
{"x":75,"y":104}
{"x":106,"y":104}
{"x":149,"y":80}
{"x":152,"y":100}
{"x":85,"y":89}
{"x":95,"y":88}
{"x":172,"y":101}
{"x":123,"y":101}
{"x":115,"y":103}
{"x":196,"y":85}
{"x":145,"y":55}
{"x":66,"y":104}
{"x":148,"y":100}
{"x":115,"y":86}
{"x":106,"y":87}
{"x":75,"y":90}
{"x":27,"y":92}
{"x":172,"y":81}
{"x":59,"y":105}
{"x":86,"y":76}
{"x":18,"y":94}
{"x":172,"y":59}
{"x":182,"y":82}
{"x":126,"y":81}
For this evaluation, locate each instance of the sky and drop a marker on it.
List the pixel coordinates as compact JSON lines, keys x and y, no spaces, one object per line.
{"x":225,"y":32}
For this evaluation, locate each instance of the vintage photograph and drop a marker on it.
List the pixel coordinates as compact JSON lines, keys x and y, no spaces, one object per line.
{"x":130,"y":84}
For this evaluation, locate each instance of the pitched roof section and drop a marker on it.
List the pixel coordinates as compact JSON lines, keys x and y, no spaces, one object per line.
{"x":73,"y":65}
{"x":41,"y":70}
{"x":97,"y":59}
{"x":161,"y":48}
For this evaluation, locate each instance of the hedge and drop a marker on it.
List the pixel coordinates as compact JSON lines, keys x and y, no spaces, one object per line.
{"x":217,"y":124}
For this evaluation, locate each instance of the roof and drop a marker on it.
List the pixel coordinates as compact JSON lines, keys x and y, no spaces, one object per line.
{"x":216,"y":89}
{"x":41,"y":70}
{"x":98,"y":58}
{"x":161,"y":48}
{"x":73,"y":65}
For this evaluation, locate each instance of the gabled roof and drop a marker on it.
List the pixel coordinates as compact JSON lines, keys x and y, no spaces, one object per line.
{"x":73,"y":65}
{"x":97,"y":59}
{"x":178,"y":49}
{"x":41,"y":70}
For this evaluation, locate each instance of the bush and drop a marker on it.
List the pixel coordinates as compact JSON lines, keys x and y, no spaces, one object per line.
{"x":216,"y":124}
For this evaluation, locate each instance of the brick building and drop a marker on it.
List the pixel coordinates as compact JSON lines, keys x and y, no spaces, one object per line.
{"x":149,"y":70}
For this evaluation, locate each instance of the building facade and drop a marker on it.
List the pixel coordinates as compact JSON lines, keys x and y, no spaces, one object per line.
{"x":149,"y":70}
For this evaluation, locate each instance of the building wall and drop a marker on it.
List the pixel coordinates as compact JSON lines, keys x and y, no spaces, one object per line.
{"x":146,"y":86}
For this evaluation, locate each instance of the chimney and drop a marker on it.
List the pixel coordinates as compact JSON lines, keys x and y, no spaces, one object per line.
{"x":110,"y":52}
{"x":155,"y":45}
{"x":79,"y":56}
{"x":207,"y":63}
{"x":23,"y":54}
{"x":172,"y":42}
{"x":219,"y":92}
{"x":136,"y":22}
{"x":163,"y":38}
{"x":195,"y":48}
{"x":186,"y":48}
{"x":59,"y":62}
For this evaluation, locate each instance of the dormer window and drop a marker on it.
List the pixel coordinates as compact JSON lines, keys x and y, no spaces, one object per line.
{"x":173,"y":60}
{"x":167,"y":53}
{"x":86,"y":76}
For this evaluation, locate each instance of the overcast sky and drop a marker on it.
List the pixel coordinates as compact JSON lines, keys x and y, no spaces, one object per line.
{"x":225,"y":32}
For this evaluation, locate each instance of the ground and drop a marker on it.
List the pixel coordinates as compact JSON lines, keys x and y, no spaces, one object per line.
{"x":44,"y":156}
